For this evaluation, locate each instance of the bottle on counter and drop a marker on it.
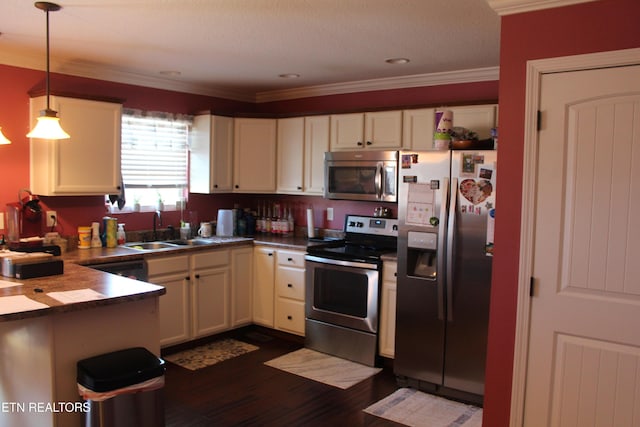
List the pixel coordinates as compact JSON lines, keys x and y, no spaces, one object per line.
{"x":291,"y":222}
{"x":121,"y":235}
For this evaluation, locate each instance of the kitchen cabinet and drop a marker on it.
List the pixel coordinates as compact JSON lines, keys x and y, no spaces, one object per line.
{"x":211,"y":155}
{"x":316,"y":143}
{"x":478,"y":118}
{"x":290,"y":149}
{"x":207,"y":292}
{"x":289,"y":291}
{"x":418,"y":127}
{"x":387,"y":330}
{"x":254,"y":155}
{"x":88,"y":163}
{"x":380,"y":130}
{"x":263,"y":291}
{"x":241,"y":286}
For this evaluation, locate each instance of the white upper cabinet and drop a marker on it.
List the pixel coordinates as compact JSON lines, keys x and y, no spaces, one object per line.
{"x":316,"y":143}
{"x":375,"y":131}
{"x":254,"y":155}
{"x":211,"y":155}
{"x":478,"y":118}
{"x":291,"y":155}
{"x":418,"y":127}
{"x":86,"y":164}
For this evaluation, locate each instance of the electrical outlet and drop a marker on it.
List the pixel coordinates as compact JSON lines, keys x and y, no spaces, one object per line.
{"x":52,"y":218}
{"x":1,"y":220}
{"x":329,"y":214}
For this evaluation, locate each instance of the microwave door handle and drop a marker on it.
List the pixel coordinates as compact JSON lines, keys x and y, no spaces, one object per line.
{"x":379,"y":180}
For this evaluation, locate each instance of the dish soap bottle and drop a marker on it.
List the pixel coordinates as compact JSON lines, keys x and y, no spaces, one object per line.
{"x":121,"y":235}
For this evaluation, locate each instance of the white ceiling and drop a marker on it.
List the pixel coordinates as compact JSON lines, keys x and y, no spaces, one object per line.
{"x":237,"y":48}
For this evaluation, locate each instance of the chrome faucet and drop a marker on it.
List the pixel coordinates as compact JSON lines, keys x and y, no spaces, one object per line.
{"x":156,"y":215}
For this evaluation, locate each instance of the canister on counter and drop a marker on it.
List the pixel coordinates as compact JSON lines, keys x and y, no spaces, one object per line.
{"x":84,"y":237}
{"x":111,"y":228}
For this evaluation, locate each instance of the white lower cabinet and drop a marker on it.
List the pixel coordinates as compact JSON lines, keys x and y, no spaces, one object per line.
{"x":207,"y":292}
{"x":278,"y":289}
{"x":387,"y":330}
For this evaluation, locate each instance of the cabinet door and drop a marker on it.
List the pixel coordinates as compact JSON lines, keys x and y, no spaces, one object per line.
{"x":86,"y":164}
{"x":210,"y":301}
{"x":174,"y":308}
{"x":241,"y":277}
{"x":418,"y":127}
{"x":254,"y":156}
{"x":316,"y":143}
{"x":263,"y":286}
{"x":478,"y":118}
{"x":388,"y":310}
{"x":347,"y":131}
{"x":211,"y":154}
{"x":290,"y":155}
{"x":383,"y":130}
{"x":290,"y":316}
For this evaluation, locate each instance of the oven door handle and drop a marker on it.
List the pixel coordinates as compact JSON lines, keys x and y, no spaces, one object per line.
{"x":340,"y":262}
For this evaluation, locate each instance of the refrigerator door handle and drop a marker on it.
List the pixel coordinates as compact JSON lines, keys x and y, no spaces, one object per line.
{"x":379,"y":179}
{"x":451,"y":229}
{"x":441,"y":246}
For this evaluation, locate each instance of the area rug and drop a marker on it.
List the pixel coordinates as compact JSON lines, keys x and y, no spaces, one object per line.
{"x":417,"y":409}
{"x":210,"y":354}
{"x":323,"y":368}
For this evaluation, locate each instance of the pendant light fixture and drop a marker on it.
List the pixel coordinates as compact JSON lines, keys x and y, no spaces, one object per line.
{"x":48,"y":125}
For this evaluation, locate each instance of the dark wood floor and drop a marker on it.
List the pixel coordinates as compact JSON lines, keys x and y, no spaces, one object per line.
{"x":243,"y":391}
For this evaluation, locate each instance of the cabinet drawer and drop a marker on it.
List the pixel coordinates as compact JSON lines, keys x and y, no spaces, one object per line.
{"x":290,"y":316}
{"x":207,"y":259}
{"x":290,"y":283}
{"x":291,"y":258}
{"x":389,"y":270}
{"x":167,"y":265}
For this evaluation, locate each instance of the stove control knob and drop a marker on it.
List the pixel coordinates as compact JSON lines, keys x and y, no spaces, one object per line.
{"x":359,"y":224}
{"x":352,"y":224}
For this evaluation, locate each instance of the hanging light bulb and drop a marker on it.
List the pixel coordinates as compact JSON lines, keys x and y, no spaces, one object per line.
{"x":3,"y":139}
{"x":48,"y":125}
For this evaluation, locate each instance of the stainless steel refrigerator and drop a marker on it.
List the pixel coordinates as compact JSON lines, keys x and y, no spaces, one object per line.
{"x":446,"y":214}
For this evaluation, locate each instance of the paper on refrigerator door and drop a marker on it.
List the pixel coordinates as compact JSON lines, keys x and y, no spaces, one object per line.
{"x":420,"y":204}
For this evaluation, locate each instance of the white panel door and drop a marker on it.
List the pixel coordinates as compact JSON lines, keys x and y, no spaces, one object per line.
{"x":584,"y":344}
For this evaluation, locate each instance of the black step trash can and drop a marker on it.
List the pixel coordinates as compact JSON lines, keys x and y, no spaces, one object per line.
{"x":123,"y":388}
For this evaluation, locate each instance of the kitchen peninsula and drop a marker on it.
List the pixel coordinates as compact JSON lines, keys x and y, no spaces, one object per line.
{"x":47,"y":324}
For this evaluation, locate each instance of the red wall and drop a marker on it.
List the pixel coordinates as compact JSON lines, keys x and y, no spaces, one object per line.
{"x":16,"y":83}
{"x":590,"y":27}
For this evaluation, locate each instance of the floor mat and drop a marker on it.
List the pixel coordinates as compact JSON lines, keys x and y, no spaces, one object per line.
{"x":323,"y":368}
{"x":417,"y":409}
{"x":210,"y":354}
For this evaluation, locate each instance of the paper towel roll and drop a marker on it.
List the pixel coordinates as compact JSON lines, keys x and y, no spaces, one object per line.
{"x":224,"y":227}
{"x":444,"y":120}
{"x":311,"y":231}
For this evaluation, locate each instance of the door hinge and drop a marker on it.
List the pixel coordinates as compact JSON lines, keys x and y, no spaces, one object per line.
{"x":532,"y":284}
{"x":539,"y":120}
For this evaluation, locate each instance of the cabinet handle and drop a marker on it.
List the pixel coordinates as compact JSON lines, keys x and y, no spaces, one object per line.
{"x":289,"y":285}
{"x":289,"y":317}
{"x":187,"y":278}
{"x":270,"y":254}
{"x":369,"y":143}
{"x":299,"y":187}
{"x":236,"y":186}
{"x":215,"y":185}
{"x":197,"y":276}
{"x":289,"y":259}
{"x":359,"y":144}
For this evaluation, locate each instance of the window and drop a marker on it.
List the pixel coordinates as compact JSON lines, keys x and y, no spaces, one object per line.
{"x":155,"y":158}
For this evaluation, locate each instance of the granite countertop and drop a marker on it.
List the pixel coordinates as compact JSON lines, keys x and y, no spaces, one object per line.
{"x":110,"y":288}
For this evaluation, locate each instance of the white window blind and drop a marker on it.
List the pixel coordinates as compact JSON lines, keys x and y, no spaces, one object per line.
{"x":154,"y":156}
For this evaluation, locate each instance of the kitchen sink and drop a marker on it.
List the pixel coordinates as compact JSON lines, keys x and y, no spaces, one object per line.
{"x":150,"y":246}
{"x":190,"y":242}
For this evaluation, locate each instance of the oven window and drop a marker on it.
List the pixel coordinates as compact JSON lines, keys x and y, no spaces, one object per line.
{"x":352,"y":180}
{"x":342,"y":292}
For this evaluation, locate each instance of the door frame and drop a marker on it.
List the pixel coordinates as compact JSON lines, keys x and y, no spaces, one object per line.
{"x":535,"y":70}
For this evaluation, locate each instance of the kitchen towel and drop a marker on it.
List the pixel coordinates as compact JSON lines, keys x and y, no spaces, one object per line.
{"x":417,"y":409}
{"x":323,"y":368}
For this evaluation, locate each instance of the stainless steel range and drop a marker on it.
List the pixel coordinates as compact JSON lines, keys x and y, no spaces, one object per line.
{"x":343,"y":281}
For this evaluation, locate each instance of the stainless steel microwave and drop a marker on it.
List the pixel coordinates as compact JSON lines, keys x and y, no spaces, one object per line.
{"x":361,"y":175}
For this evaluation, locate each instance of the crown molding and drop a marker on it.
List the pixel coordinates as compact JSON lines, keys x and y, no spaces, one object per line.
{"x":509,"y":7}
{"x":401,"y":82}
{"x":114,"y":75}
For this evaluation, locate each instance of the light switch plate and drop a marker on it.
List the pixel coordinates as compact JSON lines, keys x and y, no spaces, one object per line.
{"x":329,"y":214}
{"x":1,"y":220}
